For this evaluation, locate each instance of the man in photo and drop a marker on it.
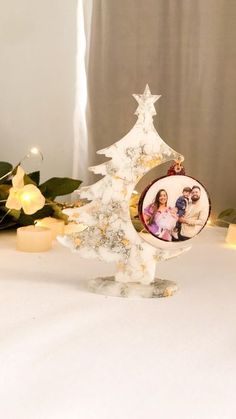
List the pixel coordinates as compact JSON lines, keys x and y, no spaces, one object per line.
{"x":195,"y":216}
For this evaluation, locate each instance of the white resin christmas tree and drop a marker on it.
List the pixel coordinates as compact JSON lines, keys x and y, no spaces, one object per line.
{"x":110,"y":235}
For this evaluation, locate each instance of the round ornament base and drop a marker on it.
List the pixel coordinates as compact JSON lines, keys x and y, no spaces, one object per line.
{"x":108,"y":286}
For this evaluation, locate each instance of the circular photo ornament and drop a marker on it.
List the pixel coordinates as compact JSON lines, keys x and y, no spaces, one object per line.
{"x":174,"y":208}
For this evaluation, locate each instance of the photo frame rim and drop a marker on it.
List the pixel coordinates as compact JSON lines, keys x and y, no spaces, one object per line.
{"x":144,"y":193}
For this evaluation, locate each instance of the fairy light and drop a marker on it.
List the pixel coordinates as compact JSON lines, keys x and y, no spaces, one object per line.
{"x":34,"y":150}
{"x":26,"y":197}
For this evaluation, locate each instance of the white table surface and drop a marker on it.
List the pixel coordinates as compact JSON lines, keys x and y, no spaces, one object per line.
{"x":69,"y":354}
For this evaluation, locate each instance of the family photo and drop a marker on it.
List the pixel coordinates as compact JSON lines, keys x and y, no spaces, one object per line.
{"x":175,"y":208}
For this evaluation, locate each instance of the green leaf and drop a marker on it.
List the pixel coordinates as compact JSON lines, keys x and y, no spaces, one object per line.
{"x":227,"y":217}
{"x":8,"y":219}
{"x":15,"y":213}
{"x":59,"y":186}
{"x":227,"y":213}
{"x":4,"y":191}
{"x":7,"y":224}
{"x":28,"y":180}
{"x":57,"y":212}
{"x":35,"y":177}
{"x":46,"y":211}
{"x":26,"y":219}
{"x":5,"y":168}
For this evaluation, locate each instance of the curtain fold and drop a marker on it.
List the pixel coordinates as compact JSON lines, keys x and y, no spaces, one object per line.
{"x":80,"y":154}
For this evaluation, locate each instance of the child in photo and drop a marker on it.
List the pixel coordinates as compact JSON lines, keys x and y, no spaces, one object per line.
{"x":181,"y":205}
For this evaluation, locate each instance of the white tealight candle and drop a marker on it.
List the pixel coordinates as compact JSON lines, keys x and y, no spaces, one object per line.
{"x":56,"y":226}
{"x":73,"y":227}
{"x":34,"y":239}
{"x":231,"y":234}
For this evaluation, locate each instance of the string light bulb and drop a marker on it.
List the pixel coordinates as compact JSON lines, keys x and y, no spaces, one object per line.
{"x":34,"y":151}
{"x":32,"y":160}
{"x":26,"y":197}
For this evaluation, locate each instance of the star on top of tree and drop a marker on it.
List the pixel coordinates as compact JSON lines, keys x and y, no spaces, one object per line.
{"x":146,"y":102}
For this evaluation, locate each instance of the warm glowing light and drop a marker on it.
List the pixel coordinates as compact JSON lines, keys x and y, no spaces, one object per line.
{"x":56,"y":226}
{"x":231,"y":235}
{"x":228,"y":246}
{"x":34,"y":150}
{"x":26,"y":197}
{"x":209,"y":222}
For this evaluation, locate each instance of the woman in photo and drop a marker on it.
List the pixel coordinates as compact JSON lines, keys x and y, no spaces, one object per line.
{"x":160,"y":218}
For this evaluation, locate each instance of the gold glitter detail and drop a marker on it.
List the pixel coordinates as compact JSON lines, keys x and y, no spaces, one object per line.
{"x":143,"y":267}
{"x":103,"y":229}
{"x":75,"y":215}
{"x":145,"y":161}
{"x":167,"y":293}
{"x":77,"y":242}
{"x":120,"y":265}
